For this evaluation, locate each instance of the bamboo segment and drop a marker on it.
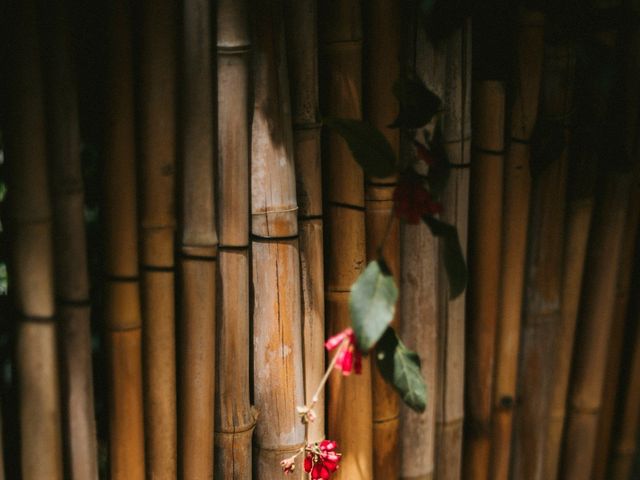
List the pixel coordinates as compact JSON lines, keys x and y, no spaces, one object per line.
{"x":122,"y":298}
{"x":302,"y":50}
{"x":517,"y":187}
{"x":277,"y":316}
{"x":484,"y":266}
{"x":543,"y":276}
{"x":72,"y":282}
{"x":383,"y":68}
{"x":349,"y":405}
{"x":234,"y":418}
{"x":32,"y":252}
{"x":157,"y":108}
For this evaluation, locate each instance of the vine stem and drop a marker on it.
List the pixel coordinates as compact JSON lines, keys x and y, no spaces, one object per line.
{"x":387,"y":232}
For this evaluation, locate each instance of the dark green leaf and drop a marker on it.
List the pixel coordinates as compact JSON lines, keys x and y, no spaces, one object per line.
{"x":418,"y":104}
{"x":547,"y":144}
{"x":369,"y":147}
{"x":454,"y":262}
{"x":401,"y":368}
{"x":372,"y":304}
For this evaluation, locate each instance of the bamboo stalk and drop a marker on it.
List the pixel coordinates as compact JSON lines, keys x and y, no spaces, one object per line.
{"x":302,"y":50}
{"x":122,"y":297}
{"x":484,"y":266}
{"x":32,"y":251}
{"x":543,"y":277}
{"x":517,"y":187}
{"x":349,"y":407}
{"x":235,"y":420}
{"x":156,"y":127}
{"x":70,"y":247}
{"x":277,"y":316}
{"x":383,"y":68}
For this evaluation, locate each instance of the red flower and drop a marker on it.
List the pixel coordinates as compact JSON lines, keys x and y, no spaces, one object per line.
{"x":349,"y":358}
{"x":411,"y":201}
{"x":322,"y":460}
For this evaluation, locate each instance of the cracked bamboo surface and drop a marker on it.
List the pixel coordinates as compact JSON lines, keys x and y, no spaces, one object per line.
{"x":235,"y":419}
{"x":32,"y":262}
{"x":349,"y":407}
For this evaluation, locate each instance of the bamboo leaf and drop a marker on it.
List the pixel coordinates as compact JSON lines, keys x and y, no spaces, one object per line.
{"x":401,"y":368}
{"x":418,"y":104}
{"x":454,"y":262}
{"x":369,"y":147}
{"x":372,"y":304}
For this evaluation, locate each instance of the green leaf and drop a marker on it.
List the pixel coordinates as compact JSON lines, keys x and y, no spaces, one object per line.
{"x":372,"y":304}
{"x":3,"y":190}
{"x":401,"y":368}
{"x":418,"y":104}
{"x":454,"y":262}
{"x":369,"y":147}
{"x":547,"y":144}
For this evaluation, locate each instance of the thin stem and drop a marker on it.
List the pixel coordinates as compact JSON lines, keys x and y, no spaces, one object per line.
{"x":387,"y":232}
{"x":314,"y":399}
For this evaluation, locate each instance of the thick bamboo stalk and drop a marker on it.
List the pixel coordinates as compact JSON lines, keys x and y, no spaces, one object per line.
{"x":156,"y":130}
{"x":277,"y":316}
{"x":349,"y":406}
{"x":515,"y":217}
{"x":383,"y":19}
{"x":70,"y":248}
{"x":122,"y":297}
{"x":32,"y":251}
{"x":234,"y":418}
{"x":543,"y":277}
{"x":302,"y":50}
{"x":484,"y":267}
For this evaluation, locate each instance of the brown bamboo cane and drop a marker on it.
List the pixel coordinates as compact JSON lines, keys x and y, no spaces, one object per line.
{"x":349,"y":406}
{"x":457,"y":140}
{"x":277,"y":316}
{"x":70,"y":247}
{"x":517,"y":187}
{"x":156,"y":131}
{"x":485,"y":199}
{"x":302,"y":50}
{"x":382,"y":61}
{"x":32,"y":251}
{"x":235,"y":419}
{"x":122,"y":296}
{"x":543,"y":277}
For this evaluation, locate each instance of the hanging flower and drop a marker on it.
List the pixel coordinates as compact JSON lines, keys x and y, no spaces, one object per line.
{"x":411,"y":201}
{"x":349,"y":358}
{"x":288,"y":465}
{"x":322,"y":459}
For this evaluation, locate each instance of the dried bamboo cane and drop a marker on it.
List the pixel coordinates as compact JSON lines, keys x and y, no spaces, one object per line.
{"x":456,"y":136}
{"x":383,"y":68}
{"x":122,"y":297}
{"x":277,"y":315}
{"x":156,"y":131}
{"x":543,"y":277}
{"x":517,"y":187}
{"x":484,"y":267}
{"x":70,"y":248}
{"x":32,"y":251}
{"x":349,"y":407}
{"x":235,"y":420}
{"x":302,"y":49}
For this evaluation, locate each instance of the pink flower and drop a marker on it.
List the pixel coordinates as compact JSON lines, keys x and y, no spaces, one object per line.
{"x":288,"y":464}
{"x":322,"y":459}
{"x":349,"y":358}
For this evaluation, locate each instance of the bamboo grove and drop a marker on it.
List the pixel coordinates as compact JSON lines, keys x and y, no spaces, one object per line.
{"x":346,"y":239}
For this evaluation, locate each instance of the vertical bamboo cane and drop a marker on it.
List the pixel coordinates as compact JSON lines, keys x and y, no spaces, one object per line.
{"x":543,"y":277}
{"x":32,"y":251}
{"x":349,"y":408}
{"x":157,"y":108}
{"x":235,"y":420}
{"x":302,"y":48}
{"x":383,"y":68}
{"x":72,"y":279}
{"x":517,"y":187}
{"x":122,"y":297}
{"x":277,"y":346}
